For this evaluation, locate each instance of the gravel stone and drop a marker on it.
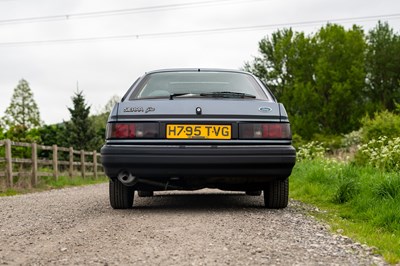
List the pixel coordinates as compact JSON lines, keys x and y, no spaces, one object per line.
{"x":77,"y":226}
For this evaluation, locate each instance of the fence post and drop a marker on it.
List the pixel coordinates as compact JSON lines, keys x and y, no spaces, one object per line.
{"x":71,"y":162}
{"x":9,"y":172}
{"x":55,"y":162}
{"x":95,"y":164}
{"x":83,"y":163}
{"x":34,"y":179}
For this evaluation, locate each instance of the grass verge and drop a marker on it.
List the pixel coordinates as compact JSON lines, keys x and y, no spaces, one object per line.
{"x":22,"y":186}
{"x":362,"y":201}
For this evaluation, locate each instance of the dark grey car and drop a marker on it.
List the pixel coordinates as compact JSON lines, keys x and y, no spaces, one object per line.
{"x":188,"y":129}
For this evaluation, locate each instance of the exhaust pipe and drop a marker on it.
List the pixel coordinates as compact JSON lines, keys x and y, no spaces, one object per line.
{"x":127,"y":178}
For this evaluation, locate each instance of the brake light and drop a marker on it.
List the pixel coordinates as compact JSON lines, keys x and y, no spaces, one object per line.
{"x":123,"y":131}
{"x":265,"y":131}
{"x":132,"y":130}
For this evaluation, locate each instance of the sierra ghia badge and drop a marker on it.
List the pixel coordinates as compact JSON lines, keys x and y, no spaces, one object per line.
{"x":139,"y":109}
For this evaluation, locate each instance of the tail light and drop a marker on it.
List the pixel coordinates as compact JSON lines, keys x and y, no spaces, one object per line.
{"x":132,"y":130}
{"x":265,"y":131}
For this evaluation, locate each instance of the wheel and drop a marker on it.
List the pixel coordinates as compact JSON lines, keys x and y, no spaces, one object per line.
{"x":254,"y":193}
{"x":276,"y":194}
{"x":145,"y":193}
{"x":121,"y":196}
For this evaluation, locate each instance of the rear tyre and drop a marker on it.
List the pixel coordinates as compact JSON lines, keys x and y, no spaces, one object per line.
{"x":276,"y":194}
{"x":121,"y":196}
{"x":145,"y":193}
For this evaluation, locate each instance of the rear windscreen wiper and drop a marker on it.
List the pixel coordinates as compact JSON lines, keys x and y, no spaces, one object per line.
{"x":227,"y":94}
{"x":217,"y":94}
{"x":187,"y":94}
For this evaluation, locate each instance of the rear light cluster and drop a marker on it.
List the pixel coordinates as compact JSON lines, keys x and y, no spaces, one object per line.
{"x":152,"y":131}
{"x":265,"y":131}
{"x":133,"y":130}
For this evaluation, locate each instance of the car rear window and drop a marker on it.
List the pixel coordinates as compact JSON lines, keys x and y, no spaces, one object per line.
{"x":163,"y":84}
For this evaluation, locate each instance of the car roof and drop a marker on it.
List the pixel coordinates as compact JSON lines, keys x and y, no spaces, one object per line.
{"x":197,"y":70}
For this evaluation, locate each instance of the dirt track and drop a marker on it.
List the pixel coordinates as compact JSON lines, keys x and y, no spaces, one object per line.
{"x":207,"y":227}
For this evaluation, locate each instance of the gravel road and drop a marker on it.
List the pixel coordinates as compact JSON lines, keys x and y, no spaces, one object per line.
{"x":206,"y":227}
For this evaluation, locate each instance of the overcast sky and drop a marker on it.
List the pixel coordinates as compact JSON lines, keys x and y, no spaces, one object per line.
{"x":103,"y":46}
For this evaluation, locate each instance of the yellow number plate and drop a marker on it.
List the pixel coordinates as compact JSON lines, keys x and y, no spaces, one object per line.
{"x":198,"y":132}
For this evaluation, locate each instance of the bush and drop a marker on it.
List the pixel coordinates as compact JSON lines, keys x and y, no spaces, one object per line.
{"x":383,"y":124}
{"x":298,"y":141}
{"x":383,"y":153}
{"x":351,"y":139}
{"x":330,"y":142}
{"x":310,"y":151}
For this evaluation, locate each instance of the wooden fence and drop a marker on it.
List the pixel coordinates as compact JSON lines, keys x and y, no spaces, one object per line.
{"x":86,"y":160}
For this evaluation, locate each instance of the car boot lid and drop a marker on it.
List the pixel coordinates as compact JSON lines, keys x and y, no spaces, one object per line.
{"x":199,"y":108}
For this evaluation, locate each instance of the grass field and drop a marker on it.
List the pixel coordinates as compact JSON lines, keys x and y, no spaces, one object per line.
{"x":22,"y":185}
{"x":362,"y":201}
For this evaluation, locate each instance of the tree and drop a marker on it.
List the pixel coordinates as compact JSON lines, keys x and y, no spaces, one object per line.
{"x":286,"y":66}
{"x":274,"y":67}
{"x":54,"y":134}
{"x":340,"y":78}
{"x":1,"y":132}
{"x":81,"y":131}
{"x":383,"y":65}
{"x":23,"y":111}
{"x":319,"y":78}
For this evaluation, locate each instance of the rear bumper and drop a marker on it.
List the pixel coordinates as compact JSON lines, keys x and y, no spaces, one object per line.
{"x":267,"y":162}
